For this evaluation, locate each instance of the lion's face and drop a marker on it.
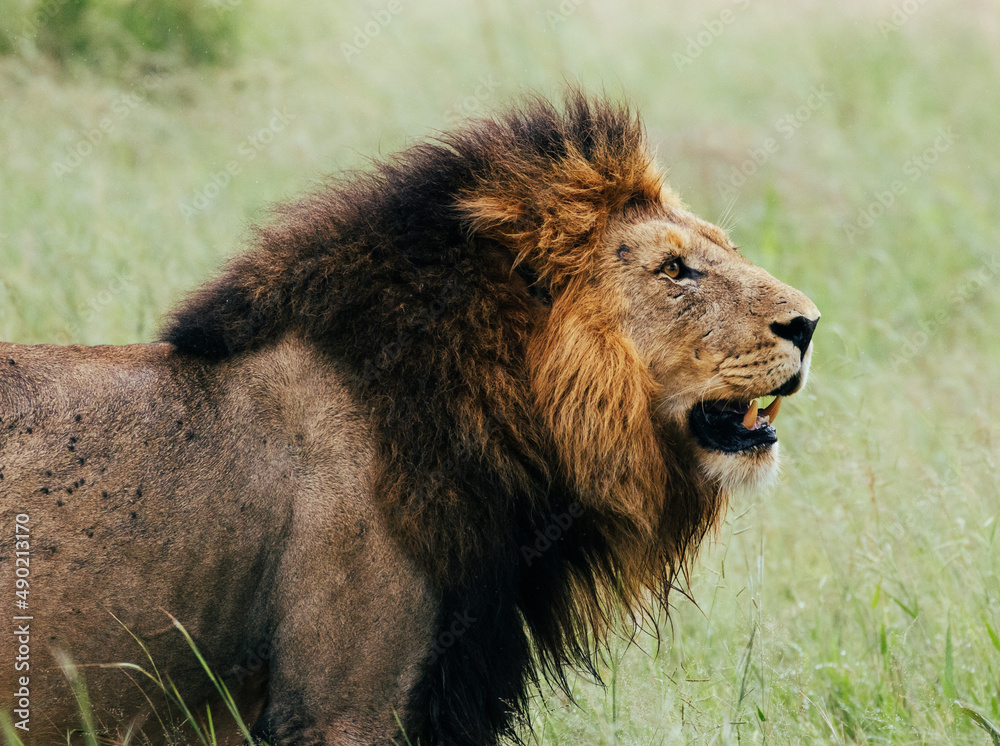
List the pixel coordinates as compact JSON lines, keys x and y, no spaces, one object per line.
{"x":717,"y":332}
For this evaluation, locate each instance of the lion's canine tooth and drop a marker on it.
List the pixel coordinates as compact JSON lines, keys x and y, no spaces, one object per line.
{"x":771,"y":411}
{"x":750,"y":418}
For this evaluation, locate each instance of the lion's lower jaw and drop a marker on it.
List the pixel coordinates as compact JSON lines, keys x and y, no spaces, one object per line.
{"x":741,"y":473}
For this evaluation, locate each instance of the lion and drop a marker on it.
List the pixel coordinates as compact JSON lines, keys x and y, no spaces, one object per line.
{"x":445,"y":427}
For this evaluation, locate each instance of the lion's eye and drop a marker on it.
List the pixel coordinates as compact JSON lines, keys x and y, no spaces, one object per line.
{"x":672,"y":268}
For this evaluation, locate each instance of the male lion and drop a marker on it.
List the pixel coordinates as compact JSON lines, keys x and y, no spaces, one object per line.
{"x":442,"y":428}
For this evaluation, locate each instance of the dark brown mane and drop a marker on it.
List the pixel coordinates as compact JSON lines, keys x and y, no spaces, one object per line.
{"x":541,"y":516}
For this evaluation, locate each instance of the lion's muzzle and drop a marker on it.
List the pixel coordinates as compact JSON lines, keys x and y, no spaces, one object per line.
{"x":741,"y":425}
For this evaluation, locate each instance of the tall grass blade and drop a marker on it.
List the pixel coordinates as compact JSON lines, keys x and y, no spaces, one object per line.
{"x":979,"y":719}
{"x":948,"y":680}
{"x":10,"y":736}
{"x":82,"y":698}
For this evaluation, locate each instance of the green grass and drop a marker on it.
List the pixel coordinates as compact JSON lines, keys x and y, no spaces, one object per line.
{"x":112,"y":35}
{"x":177,"y":721}
{"x":860,"y":600}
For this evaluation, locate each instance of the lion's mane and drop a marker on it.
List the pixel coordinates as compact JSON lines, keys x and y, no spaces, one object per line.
{"x":454,"y":286}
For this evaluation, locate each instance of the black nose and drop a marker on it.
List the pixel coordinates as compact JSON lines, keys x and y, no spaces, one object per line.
{"x":798,"y":331}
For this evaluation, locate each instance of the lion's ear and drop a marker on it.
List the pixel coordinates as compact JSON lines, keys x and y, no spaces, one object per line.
{"x":553,"y":231}
{"x":596,"y":395}
{"x":554,"y":221}
{"x":551,"y":219}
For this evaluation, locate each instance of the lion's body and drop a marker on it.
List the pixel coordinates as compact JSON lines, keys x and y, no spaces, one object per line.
{"x":227,"y":495}
{"x":439,"y":432}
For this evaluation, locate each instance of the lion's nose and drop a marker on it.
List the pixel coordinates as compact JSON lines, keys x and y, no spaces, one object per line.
{"x":798,"y":331}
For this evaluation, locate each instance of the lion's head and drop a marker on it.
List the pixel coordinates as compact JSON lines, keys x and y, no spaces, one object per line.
{"x":661,"y":337}
{"x":549,"y":344}
{"x":715,"y":332}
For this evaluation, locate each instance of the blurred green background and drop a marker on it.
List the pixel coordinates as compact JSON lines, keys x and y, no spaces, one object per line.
{"x":851,"y":150}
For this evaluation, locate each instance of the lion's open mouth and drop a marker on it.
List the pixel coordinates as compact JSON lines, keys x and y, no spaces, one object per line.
{"x":735,"y":426}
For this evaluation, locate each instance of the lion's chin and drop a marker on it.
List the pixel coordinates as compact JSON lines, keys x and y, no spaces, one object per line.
{"x":742,"y":472}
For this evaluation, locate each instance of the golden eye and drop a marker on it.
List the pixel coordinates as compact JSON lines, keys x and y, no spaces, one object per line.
{"x":673,"y":268}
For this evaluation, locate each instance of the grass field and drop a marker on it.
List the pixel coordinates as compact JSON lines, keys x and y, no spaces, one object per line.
{"x":853,"y":153}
